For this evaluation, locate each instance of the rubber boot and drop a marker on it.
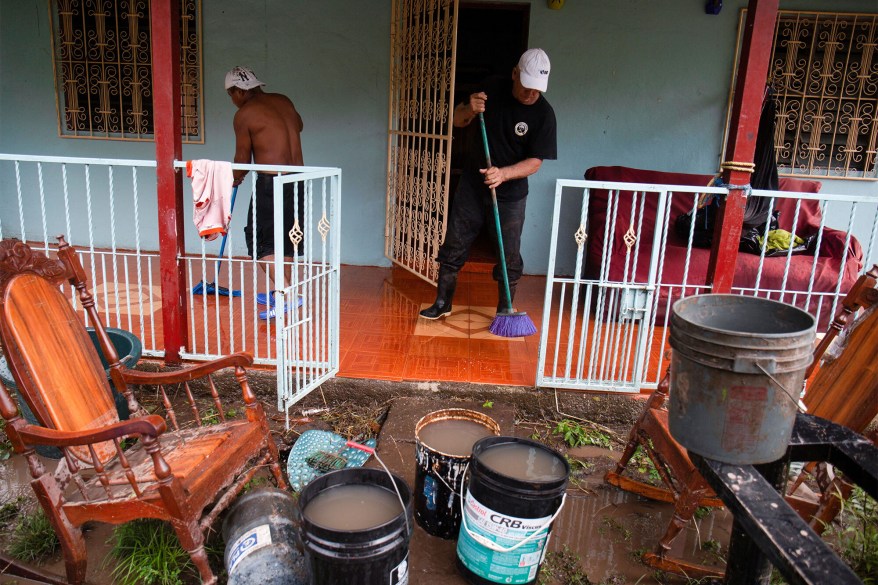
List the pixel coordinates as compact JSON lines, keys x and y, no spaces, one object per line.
{"x":445,"y":286}
{"x":501,"y":294}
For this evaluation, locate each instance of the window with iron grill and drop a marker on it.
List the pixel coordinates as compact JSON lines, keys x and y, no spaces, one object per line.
{"x":103,"y":69}
{"x":824,"y":76}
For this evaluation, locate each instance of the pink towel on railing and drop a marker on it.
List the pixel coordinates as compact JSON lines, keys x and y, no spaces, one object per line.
{"x":211,"y":193}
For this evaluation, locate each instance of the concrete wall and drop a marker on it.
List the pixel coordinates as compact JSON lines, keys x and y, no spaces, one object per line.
{"x":637,"y":83}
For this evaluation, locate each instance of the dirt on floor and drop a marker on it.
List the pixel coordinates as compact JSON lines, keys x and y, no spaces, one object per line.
{"x":598,"y":539}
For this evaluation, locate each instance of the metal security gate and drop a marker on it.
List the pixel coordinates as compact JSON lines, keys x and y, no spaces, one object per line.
{"x":598,"y":330}
{"x":307,"y":332}
{"x":423,"y":49}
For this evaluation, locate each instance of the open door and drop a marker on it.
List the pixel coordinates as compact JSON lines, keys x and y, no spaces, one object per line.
{"x":422,"y":62}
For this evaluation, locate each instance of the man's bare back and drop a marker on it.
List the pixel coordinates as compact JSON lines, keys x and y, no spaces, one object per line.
{"x":267,"y":128}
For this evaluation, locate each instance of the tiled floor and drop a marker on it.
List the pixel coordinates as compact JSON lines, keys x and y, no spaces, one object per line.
{"x":382,"y":336}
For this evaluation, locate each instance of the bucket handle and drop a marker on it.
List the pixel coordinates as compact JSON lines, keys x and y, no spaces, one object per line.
{"x":800,"y":406}
{"x":493,"y":545}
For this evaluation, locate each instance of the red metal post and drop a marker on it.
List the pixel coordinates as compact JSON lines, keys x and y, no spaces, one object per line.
{"x":743,"y":127}
{"x":165,"y":31}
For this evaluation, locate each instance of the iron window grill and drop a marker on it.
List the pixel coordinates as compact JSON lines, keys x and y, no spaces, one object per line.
{"x":103,"y":69}
{"x":824,"y":76}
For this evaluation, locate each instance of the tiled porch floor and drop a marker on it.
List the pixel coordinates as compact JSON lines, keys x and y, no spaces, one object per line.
{"x":383,"y":338}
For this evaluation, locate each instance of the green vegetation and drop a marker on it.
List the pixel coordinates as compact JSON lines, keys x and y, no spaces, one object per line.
{"x":562,"y":566}
{"x":147,"y":552}
{"x":33,"y":538}
{"x":6,"y":449}
{"x":644,"y":465}
{"x":856,"y":535}
{"x":488,"y":404}
{"x":574,"y":434}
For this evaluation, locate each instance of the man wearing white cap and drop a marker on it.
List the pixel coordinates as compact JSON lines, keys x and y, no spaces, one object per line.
{"x":521,"y":132}
{"x":267,"y":128}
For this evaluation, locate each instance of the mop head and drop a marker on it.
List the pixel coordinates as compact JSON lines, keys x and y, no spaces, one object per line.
{"x":512,"y":324}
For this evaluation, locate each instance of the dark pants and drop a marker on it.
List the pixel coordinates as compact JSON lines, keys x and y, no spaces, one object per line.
{"x":265,"y":211}
{"x":470,"y":210}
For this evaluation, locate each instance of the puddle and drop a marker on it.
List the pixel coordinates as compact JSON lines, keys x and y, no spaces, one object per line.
{"x":610,"y":529}
{"x":15,"y":481}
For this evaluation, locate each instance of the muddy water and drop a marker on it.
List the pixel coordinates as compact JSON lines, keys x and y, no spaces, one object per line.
{"x":353,"y":507}
{"x":607,"y":529}
{"x":453,"y":436}
{"x":523,"y":462}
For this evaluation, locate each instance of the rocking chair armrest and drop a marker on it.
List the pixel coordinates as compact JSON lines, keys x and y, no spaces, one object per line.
{"x":237,"y":360}
{"x":151,"y":425}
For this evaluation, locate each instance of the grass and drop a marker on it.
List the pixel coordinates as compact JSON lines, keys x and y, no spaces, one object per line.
{"x":6,"y":449}
{"x":33,"y":538}
{"x":147,"y":552}
{"x":562,"y":566}
{"x":856,"y":535}
{"x":575,"y":435}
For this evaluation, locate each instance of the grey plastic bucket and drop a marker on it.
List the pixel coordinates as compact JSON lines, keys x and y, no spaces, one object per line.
{"x":736,"y":375}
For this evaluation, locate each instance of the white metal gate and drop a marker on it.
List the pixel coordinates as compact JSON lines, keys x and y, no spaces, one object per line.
{"x":606,"y":326}
{"x":307,"y":333}
{"x":599,"y":324}
{"x":422,"y":56}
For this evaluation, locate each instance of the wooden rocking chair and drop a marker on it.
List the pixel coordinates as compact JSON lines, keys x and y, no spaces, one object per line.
{"x":186,"y":476}
{"x":844,"y":391}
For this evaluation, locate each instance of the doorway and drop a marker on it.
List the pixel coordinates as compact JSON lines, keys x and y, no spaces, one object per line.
{"x":490,"y":39}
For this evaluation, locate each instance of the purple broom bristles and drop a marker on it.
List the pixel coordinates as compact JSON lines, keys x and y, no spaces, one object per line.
{"x":512,"y":325}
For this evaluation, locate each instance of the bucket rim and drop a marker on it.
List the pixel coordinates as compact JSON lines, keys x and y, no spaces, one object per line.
{"x":675,"y":314}
{"x":453,"y":414}
{"x":516,"y":483}
{"x":377,"y":476}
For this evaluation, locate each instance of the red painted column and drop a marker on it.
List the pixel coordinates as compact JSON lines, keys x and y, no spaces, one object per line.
{"x":743,"y":127}
{"x":165,"y":30}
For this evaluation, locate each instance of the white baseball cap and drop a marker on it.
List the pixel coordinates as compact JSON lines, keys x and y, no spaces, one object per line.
{"x":533,"y":69}
{"x":242,"y":77}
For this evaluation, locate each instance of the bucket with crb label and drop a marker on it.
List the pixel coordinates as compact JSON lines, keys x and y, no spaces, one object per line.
{"x":355,"y":527}
{"x":443,"y":444}
{"x":516,"y":490}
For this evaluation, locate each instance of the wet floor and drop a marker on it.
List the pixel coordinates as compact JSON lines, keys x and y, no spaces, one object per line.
{"x":601,"y":530}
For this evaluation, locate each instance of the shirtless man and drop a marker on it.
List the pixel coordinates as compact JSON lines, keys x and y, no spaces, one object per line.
{"x":267,"y":128}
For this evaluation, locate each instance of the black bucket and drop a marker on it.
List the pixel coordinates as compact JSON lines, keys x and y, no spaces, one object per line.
{"x":439,"y":474}
{"x":736,"y":375}
{"x":507,"y":518}
{"x":260,"y":537}
{"x":378,"y":554}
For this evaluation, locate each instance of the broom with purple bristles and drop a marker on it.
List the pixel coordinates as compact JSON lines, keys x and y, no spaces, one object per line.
{"x":507,"y":322}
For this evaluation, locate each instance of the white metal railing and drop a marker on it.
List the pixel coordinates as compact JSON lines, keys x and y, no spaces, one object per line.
{"x":107,"y":209}
{"x":606,"y":326}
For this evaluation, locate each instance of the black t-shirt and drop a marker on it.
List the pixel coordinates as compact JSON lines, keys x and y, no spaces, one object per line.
{"x":515,"y":132}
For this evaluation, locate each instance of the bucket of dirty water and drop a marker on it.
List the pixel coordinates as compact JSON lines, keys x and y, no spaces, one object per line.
{"x":736,"y":375}
{"x":261,"y":543}
{"x":355,"y":529}
{"x":443,"y":444}
{"x":516,"y":490}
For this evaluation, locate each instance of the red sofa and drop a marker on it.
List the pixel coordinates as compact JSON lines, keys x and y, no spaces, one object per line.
{"x":826,"y":273}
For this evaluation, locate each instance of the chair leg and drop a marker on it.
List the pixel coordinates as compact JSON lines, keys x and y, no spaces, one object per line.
{"x":684,"y":511}
{"x":192,"y":540}
{"x":75,"y":554}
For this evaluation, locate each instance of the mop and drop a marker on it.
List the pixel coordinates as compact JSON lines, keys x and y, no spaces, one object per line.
{"x":507,"y":322}
{"x":212,"y":288}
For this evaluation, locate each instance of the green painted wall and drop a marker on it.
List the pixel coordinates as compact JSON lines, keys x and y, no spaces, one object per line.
{"x":636,"y":82}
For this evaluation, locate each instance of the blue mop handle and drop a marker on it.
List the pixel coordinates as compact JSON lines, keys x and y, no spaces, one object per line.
{"x":496,"y":216}
{"x":225,"y":235}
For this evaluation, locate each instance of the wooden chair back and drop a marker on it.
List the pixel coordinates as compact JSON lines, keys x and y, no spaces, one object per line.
{"x":845,"y":389}
{"x":54,"y":360}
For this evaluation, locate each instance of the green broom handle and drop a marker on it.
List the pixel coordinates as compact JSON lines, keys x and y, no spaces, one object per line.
{"x":496,"y":216}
